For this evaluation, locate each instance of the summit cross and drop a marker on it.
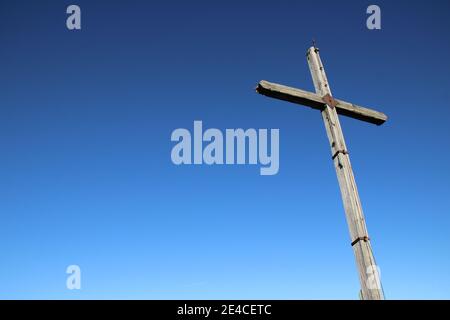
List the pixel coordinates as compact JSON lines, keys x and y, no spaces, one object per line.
{"x":330,"y":107}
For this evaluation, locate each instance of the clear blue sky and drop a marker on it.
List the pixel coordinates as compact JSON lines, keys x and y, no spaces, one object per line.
{"x":86,"y":176}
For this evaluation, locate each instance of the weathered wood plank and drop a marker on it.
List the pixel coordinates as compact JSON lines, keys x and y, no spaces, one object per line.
{"x":315,"y":101}
{"x":359,"y":236}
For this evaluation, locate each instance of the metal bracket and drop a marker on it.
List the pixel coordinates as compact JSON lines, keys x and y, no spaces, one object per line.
{"x":365,"y":239}
{"x":329,"y":100}
{"x":337,"y":152}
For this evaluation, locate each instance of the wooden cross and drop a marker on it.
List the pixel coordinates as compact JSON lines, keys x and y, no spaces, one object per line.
{"x":330,"y":108}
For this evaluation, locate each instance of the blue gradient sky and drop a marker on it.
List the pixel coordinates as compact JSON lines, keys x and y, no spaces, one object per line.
{"x":86,"y":176}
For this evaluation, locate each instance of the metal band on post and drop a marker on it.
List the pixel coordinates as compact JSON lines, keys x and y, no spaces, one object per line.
{"x":337,"y":152}
{"x":365,"y":239}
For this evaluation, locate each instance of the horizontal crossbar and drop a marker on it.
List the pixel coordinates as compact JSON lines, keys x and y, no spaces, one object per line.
{"x":315,"y":101}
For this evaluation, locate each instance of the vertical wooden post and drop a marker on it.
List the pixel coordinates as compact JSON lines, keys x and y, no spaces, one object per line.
{"x":368,"y":272}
